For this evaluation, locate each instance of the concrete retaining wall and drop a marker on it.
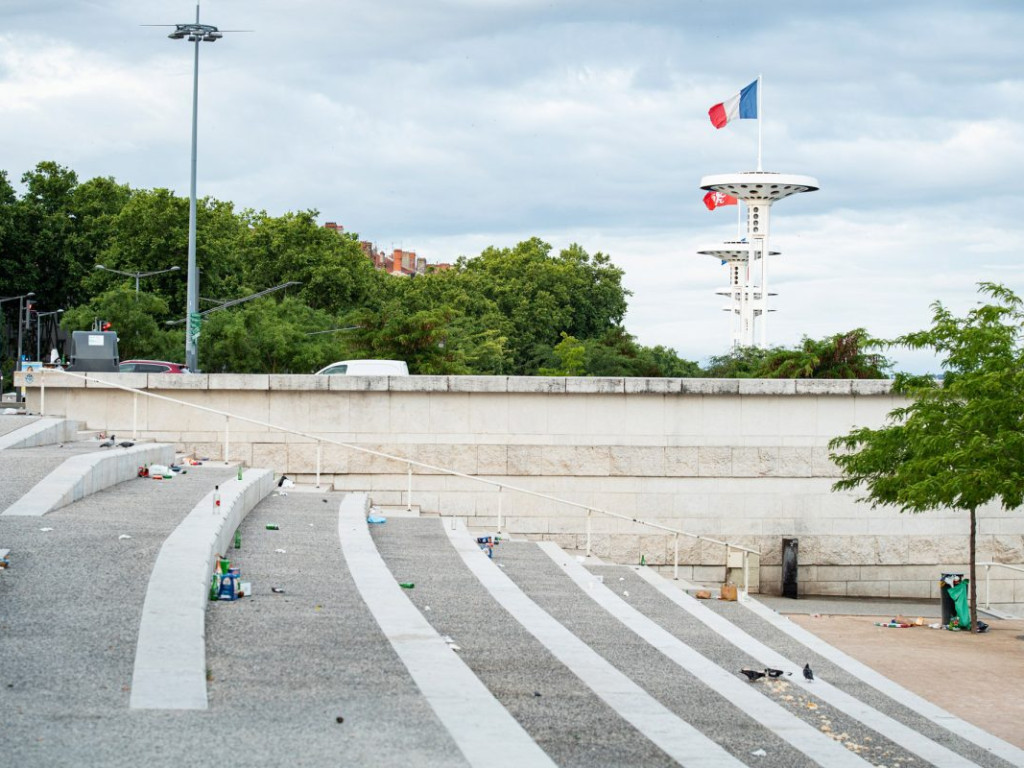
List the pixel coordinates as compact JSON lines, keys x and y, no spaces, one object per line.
{"x":739,"y":459}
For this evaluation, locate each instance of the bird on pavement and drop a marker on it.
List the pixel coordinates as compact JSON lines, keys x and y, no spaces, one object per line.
{"x":108,"y":443}
{"x":752,"y":674}
{"x":773,"y":672}
{"x":808,"y":674}
{"x":284,"y":483}
{"x":125,"y":444}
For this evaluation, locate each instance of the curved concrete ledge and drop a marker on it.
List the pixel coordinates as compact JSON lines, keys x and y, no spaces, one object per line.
{"x":40,"y":432}
{"x":170,"y":656}
{"x":86,"y":474}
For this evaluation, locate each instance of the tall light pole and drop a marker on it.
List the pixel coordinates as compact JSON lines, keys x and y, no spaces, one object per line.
{"x":194,"y":33}
{"x":137,"y":275}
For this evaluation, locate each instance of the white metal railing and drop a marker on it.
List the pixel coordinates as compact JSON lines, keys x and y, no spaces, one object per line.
{"x":410,"y":463}
{"x":988,"y":580}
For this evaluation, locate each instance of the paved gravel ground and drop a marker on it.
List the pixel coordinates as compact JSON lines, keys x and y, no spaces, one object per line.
{"x":11,"y":423}
{"x":678,"y":690}
{"x":784,"y":644}
{"x":567,"y":720}
{"x":22,"y":468}
{"x":69,"y":616}
{"x":284,"y":666}
{"x":857,"y":737}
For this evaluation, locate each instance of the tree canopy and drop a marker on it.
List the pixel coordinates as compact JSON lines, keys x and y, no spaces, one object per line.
{"x":518,"y":310}
{"x":959,"y":443}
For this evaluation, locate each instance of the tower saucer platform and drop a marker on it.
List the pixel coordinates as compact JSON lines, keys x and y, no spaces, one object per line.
{"x":758,"y":190}
{"x":746,"y":300}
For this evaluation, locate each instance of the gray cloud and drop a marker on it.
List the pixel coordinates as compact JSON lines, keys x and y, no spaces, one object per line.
{"x":448,"y":126}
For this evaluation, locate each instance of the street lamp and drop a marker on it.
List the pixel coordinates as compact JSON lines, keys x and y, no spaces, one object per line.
{"x":21,"y":319}
{"x":39,"y":328}
{"x":194,"y":33}
{"x":137,"y":275}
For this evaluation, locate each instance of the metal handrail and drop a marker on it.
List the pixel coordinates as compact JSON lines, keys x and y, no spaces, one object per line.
{"x":988,"y":580}
{"x":410,"y":463}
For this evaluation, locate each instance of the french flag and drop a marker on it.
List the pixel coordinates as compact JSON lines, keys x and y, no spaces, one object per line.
{"x":742,"y":106}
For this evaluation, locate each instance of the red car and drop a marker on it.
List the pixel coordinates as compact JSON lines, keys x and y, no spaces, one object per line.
{"x":150,"y":366}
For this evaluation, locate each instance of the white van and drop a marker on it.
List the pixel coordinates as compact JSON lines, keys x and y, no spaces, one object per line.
{"x":367,"y":368}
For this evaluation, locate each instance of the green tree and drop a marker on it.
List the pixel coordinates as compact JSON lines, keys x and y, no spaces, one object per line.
{"x":335,"y":274}
{"x":738,"y":363}
{"x":841,"y":356}
{"x":134,"y":319}
{"x":539,"y":295}
{"x":268,"y":335}
{"x":959,"y":443}
{"x":571,"y":355}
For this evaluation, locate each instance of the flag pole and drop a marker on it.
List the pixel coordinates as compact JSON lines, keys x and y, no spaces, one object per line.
{"x":760,"y":120}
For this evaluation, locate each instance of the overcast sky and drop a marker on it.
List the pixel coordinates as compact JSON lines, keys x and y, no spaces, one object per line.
{"x":446,"y":126}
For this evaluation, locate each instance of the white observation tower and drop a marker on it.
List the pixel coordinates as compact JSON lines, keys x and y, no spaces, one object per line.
{"x":747,"y":260}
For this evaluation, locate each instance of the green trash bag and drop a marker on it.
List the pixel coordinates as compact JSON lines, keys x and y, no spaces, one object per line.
{"x":958,"y":595}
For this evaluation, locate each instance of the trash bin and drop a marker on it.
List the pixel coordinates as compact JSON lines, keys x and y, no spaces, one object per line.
{"x":948,"y":607}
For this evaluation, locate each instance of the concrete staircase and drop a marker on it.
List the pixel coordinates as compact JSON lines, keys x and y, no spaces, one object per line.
{"x":530,"y":657}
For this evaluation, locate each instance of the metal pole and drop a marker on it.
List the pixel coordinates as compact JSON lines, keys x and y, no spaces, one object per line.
{"x":319,"y":448}
{"x":988,"y":586}
{"x":192,"y":297}
{"x":675,"y":570}
{"x":21,"y":318}
{"x":227,"y":438}
{"x":588,"y":533}
{"x":135,"y":416}
{"x":499,"y":509}
{"x":408,"y":498}
{"x":746,"y":573}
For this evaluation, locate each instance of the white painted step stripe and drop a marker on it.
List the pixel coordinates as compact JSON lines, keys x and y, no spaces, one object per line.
{"x":1012,"y":754}
{"x":895,"y":731}
{"x":674,"y":736}
{"x":481,"y":727}
{"x":799,"y":733}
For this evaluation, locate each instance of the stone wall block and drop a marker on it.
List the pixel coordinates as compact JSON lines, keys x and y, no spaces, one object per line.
{"x":709,"y":386}
{"x":1008,"y":549}
{"x":492,"y":459}
{"x":795,"y":462}
{"x":714,"y":461}
{"x":637,"y":461}
{"x":937,"y":549}
{"x":682,"y":461}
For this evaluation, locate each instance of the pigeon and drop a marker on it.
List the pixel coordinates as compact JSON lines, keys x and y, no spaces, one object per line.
{"x":285,"y":482}
{"x":277,"y":590}
{"x":125,"y":444}
{"x":808,"y":674}
{"x":773,"y":672}
{"x":108,"y":443}
{"x":752,"y":674}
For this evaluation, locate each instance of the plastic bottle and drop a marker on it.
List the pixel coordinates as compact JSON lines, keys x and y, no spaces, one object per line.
{"x":238,"y":539}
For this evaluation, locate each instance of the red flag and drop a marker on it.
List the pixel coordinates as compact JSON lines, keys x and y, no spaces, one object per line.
{"x":714,"y":199}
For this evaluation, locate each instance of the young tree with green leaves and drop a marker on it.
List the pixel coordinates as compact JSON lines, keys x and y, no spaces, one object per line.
{"x":960,"y":442}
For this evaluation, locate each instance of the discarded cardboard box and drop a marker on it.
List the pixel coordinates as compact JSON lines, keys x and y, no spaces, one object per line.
{"x":728,"y":592}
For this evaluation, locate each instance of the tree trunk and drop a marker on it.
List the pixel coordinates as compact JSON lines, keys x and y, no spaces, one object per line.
{"x":974,"y":584}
